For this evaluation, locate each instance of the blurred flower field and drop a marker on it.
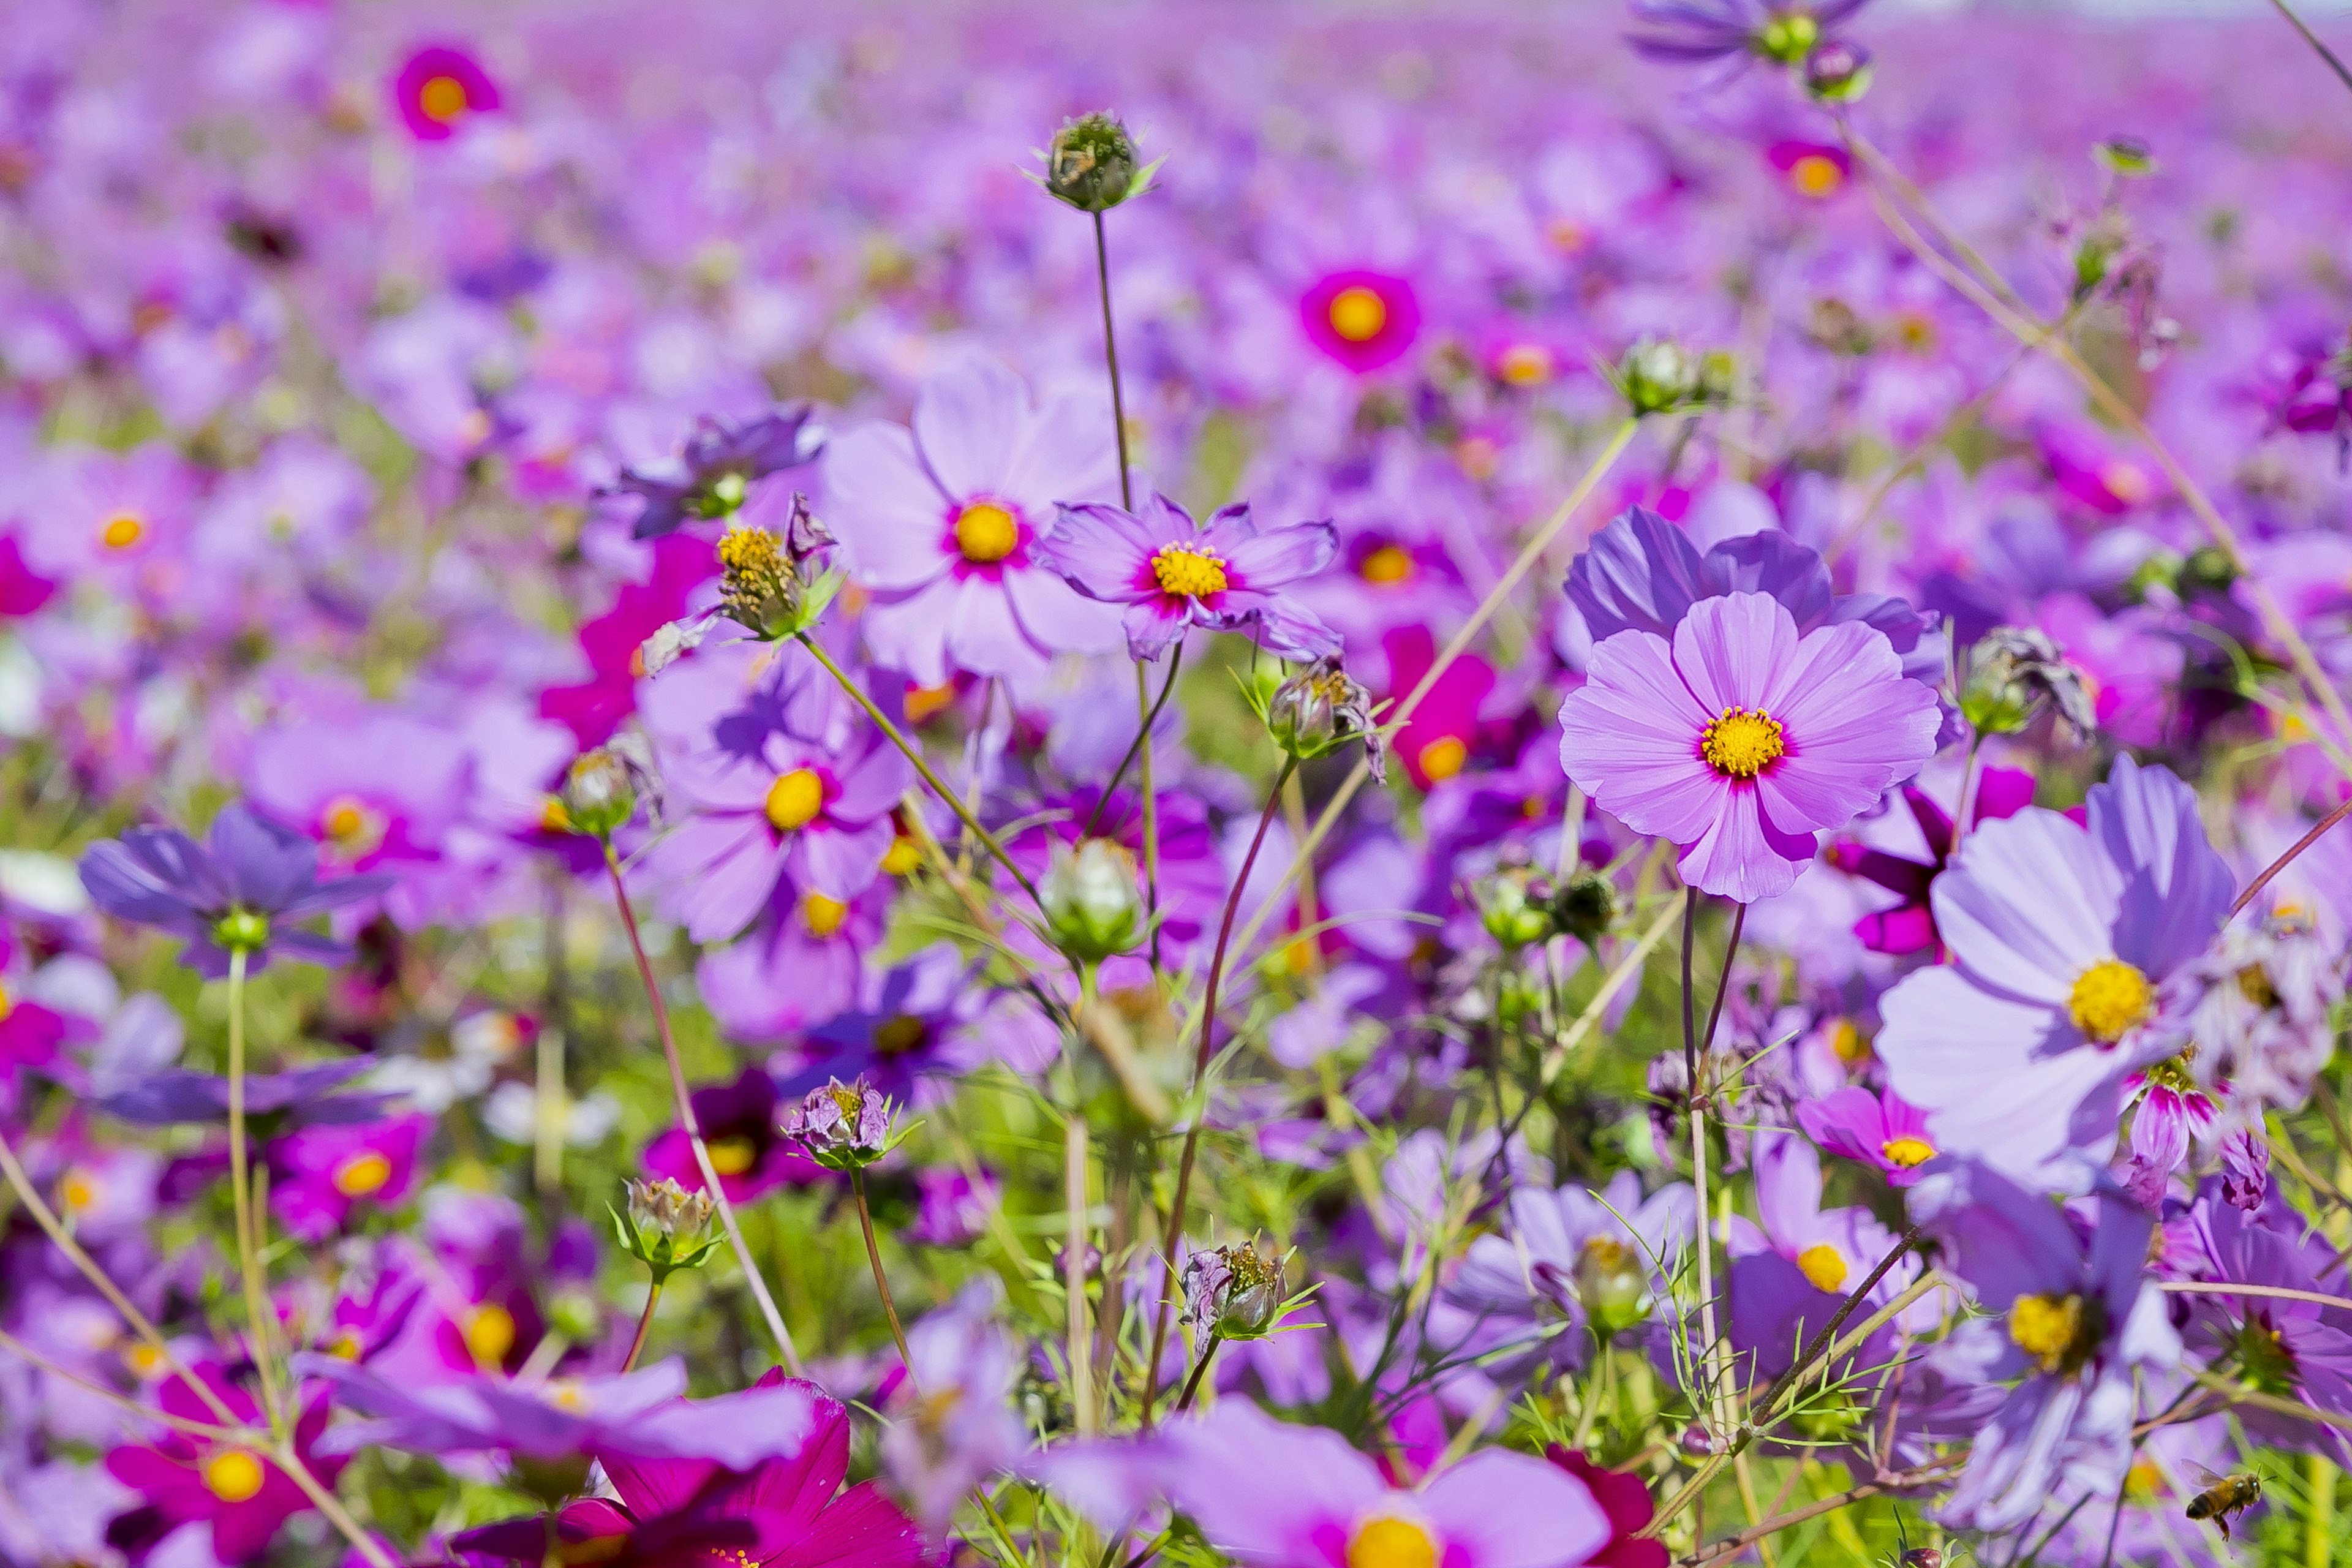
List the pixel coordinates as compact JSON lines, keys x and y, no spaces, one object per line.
{"x":1150,"y":786}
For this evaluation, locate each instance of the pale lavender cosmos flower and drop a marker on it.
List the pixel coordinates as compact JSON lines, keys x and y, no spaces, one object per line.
{"x":1597,"y":1260}
{"x":1698,"y":31}
{"x":1277,"y":1496}
{"x":710,"y":475}
{"x":2071,"y":1319}
{"x":301,"y":1097}
{"x":231,"y":892}
{"x":2061,"y":938}
{"x":953,"y":1424}
{"x":943,"y":523}
{"x":2261,"y":1016}
{"x":1173,"y":574}
{"x":1744,"y":739}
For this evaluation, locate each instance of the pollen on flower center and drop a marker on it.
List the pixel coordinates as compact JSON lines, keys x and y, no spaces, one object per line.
{"x":78,"y":1189}
{"x":489,"y":1334}
{"x":2109,"y":1000}
{"x":794,"y":800}
{"x":821,"y":915}
{"x":1389,"y":564}
{"x":1742,"y":742}
{"x":1188,"y":571}
{"x":2058,"y":1331}
{"x":1391,"y":1542}
{"x":442,"y":98}
{"x":986,"y":533}
{"x":233,"y":1475}
{"x":362,"y":1174}
{"x":1824,"y":1266}
{"x":750,"y":553}
{"x":902,"y":1034}
{"x":732,"y":1156}
{"x":1358,"y":314}
{"x":1907,"y":1151}
{"x":121,"y":530}
{"x":350,"y":826}
{"x":1816,"y":175}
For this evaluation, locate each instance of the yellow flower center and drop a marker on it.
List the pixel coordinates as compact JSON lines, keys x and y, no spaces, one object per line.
{"x":1391,"y":1542}
{"x":1186,"y":569}
{"x":750,"y":552}
{"x":1604,"y":1252}
{"x":1816,"y":175}
{"x":2144,"y":1482}
{"x":489,"y":1334}
{"x":351,"y":825}
{"x":566,"y":1393}
{"x":2127,"y":483}
{"x":1389,"y":563}
{"x":78,"y":1189}
{"x":900,"y":1035}
{"x":1525,"y":364}
{"x":1358,"y":314}
{"x":986,"y":533}
{"x":442,"y":98}
{"x":902,"y":856}
{"x":2109,"y":1000}
{"x":1741,"y":744}
{"x":144,"y":1360}
{"x":732,"y":1156}
{"x":122,"y":531}
{"x":1566,"y":236}
{"x":1848,"y":1043}
{"x":344,"y":1346}
{"x":2055,"y":1330}
{"x":926,"y":702}
{"x":362,"y":1174}
{"x":1823,"y":1266}
{"x":7,"y":1003}
{"x":822,"y":916}
{"x":1907,"y":1151}
{"x":553,"y":817}
{"x":794,"y":800}
{"x":233,"y":1475}
{"x":1442,"y":758}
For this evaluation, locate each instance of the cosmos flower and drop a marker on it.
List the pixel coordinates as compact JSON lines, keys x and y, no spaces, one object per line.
{"x":1173,"y":574}
{"x":1704,"y":30}
{"x":439,"y":88}
{"x":1743,"y":740}
{"x":242,"y":1494}
{"x":232,"y":891}
{"x":713,"y":472}
{"x":1363,"y":320}
{"x":1910,"y":925}
{"x":739,"y":1132}
{"x":944,"y":523}
{"x":299,"y":1097}
{"x":953,"y":1424}
{"x":1280,"y":1496}
{"x":2061,"y":938}
{"x":1880,"y":1131}
{"x":1625,"y":1498}
{"x":320,"y":1175}
{"x":1598,"y":1260}
{"x":2300,"y":1351}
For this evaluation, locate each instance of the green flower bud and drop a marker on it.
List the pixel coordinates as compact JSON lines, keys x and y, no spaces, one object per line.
{"x":242,"y":931}
{"x":1585,"y":906}
{"x":668,"y":1227}
{"x":599,"y":793}
{"x":1091,"y":163}
{"x":2014,"y":674}
{"x":1092,"y":902}
{"x":1516,"y":908}
{"x":1788,"y":36}
{"x":1662,"y":377}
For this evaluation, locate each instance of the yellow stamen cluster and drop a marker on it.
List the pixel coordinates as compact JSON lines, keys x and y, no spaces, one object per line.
{"x":822,"y":916}
{"x":2058,"y":1331}
{"x":1907,"y":1151}
{"x":1824,"y":1266}
{"x":442,"y":98}
{"x":732,"y":1156}
{"x":986,"y":533}
{"x":2110,"y":999}
{"x":1358,"y":314}
{"x":794,"y":800}
{"x":233,"y":1475}
{"x":1391,"y":1542}
{"x":1189,"y":571}
{"x":362,"y":1174}
{"x":1742,"y":742}
{"x":121,"y":530}
{"x":489,"y":1334}
{"x":1386,"y":567}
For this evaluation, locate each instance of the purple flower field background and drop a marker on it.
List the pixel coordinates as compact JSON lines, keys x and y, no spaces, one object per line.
{"x":1143,"y":786}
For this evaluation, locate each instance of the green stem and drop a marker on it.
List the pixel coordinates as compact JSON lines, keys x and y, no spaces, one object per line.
{"x":1200,"y":1368}
{"x":881,"y":1281}
{"x":972,"y":824}
{"x":248,"y":1252}
{"x":1135,"y":747}
{"x":645,"y":1325}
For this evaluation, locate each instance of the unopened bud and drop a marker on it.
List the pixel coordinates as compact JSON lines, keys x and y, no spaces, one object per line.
{"x":1662,"y":377}
{"x":2126,"y":156}
{"x":1233,"y":1292}
{"x":1514,"y":905}
{"x":599,"y":793}
{"x":1787,"y":37}
{"x":1613,"y":1284}
{"x":1094,"y":905}
{"x":1838,"y":72}
{"x":668,"y":1227}
{"x":843,"y":1126}
{"x":1320,"y":710}
{"x":1585,"y":906}
{"x":2015,"y":672}
{"x":1091,"y":163}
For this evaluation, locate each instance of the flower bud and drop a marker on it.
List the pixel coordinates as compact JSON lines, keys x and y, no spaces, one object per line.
{"x":1787,"y":37}
{"x":2015,"y":672}
{"x":1233,"y":1292}
{"x":1612,"y":1284}
{"x":1091,"y":163}
{"x":668,"y":1227}
{"x":1320,"y":710}
{"x":2126,"y":156}
{"x":843,"y":1126}
{"x":1837,"y":71}
{"x":1515,"y":906}
{"x":599,"y":793}
{"x":1094,"y":905}
{"x":1585,"y":906}
{"x":1658,"y":376}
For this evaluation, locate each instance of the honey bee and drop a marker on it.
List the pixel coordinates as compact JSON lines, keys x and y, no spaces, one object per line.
{"x":2224,"y":1496}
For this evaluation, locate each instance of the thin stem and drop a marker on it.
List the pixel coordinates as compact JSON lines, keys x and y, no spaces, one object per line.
{"x":2312,"y":38}
{"x":2318,"y":830}
{"x":1175,"y":1226}
{"x":1074,"y":1271}
{"x":1110,"y":358}
{"x":644,"y":1326}
{"x":329,"y":1504}
{"x":248,"y":1252}
{"x":684,"y":1100}
{"x":1972,"y":781}
{"x":234,"y":1434}
{"x":882,"y":720}
{"x":1200,"y":1370}
{"x":1135,"y":747}
{"x":2276,"y":1293}
{"x":1900,"y":1480}
{"x":881,"y":1281}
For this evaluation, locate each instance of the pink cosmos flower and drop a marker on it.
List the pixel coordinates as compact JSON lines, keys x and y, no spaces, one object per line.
{"x":942,"y":522}
{"x":1364,"y":319}
{"x":322,"y":1174}
{"x":1888,"y":1133}
{"x":241,"y":1493}
{"x":438,"y":87}
{"x":1173,"y":574}
{"x":1741,"y":740}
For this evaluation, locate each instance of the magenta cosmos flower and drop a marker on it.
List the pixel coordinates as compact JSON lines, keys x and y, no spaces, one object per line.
{"x":942,"y":523}
{"x":1174,"y":573}
{"x":438,"y":87}
{"x":1741,"y":740}
{"x":1277,"y":1496}
{"x":1363,"y":320}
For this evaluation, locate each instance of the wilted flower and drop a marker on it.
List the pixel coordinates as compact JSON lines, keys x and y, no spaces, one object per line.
{"x":2013,"y":673}
{"x":1233,"y":1292}
{"x":843,"y":1126}
{"x":1320,"y":710}
{"x":667,"y":1227}
{"x":1091,"y":164}
{"x":712,"y":473}
{"x":1093,"y":901}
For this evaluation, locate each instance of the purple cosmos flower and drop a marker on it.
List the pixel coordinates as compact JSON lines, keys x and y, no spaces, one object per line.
{"x":922,"y":1021}
{"x":299,"y":1097}
{"x":2060,"y":936}
{"x":1744,"y":739}
{"x":738,"y":1132}
{"x":711,"y":473}
{"x":1598,"y":1260}
{"x":803,"y":960}
{"x":1702,"y":30}
{"x":950,"y":1207}
{"x":1363,"y":320}
{"x":1887,"y":1133}
{"x":636,"y":1414}
{"x":2073,"y":1320}
{"x":320,"y":1174}
{"x":438,"y":87}
{"x":944,"y":521}
{"x":953,"y":1425}
{"x":1278,"y":1496}
{"x":231,"y":892}
{"x":778,"y":1510}
{"x":1910,"y":925}
{"x":1174,"y":574}
{"x":240,"y":1492}
{"x":2300,"y":1351}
